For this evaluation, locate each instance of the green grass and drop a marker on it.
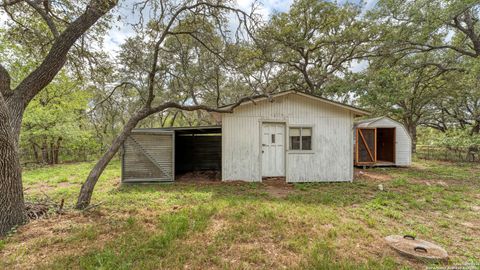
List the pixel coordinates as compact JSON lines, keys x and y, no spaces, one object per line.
{"x":243,"y":226}
{"x":140,"y":248}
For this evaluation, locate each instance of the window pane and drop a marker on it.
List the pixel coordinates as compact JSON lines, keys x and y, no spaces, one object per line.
{"x":273,"y":138}
{"x":306,"y":132}
{"x":294,"y":132}
{"x":306,"y":142}
{"x":295,"y":142}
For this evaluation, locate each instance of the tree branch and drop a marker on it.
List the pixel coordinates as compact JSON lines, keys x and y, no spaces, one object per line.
{"x":166,"y":32}
{"x":10,"y":3}
{"x":189,"y":33}
{"x":124,"y":84}
{"x":50,"y":23}
{"x":57,"y":55}
{"x":428,"y":47}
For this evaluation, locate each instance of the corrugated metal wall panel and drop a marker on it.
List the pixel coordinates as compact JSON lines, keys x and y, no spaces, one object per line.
{"x":148,"y":157}
{"x":240,"y":148}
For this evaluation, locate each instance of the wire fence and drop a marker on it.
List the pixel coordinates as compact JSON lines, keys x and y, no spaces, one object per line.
{"x":445,"y":153}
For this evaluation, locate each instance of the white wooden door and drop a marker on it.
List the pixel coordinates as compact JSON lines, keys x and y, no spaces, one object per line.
{"x":273,"y":149}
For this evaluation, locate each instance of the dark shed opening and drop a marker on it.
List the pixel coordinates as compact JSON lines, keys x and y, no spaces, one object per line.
{"x":375,"y":146}
{"x":198,"y":150}
{"x":386,"y":144}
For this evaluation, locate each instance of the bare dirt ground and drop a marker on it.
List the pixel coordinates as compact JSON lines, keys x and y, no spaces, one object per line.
{"x":372,"y":175}
{"x":277,"y":187}
{"x":199,"y":177}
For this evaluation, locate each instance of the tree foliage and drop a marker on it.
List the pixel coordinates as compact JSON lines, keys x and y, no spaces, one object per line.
{"x":56,"y":120}
{"x":426,"y":69}
{"x":314,"y":43}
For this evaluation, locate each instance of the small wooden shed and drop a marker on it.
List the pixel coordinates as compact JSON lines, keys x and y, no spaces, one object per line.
{"x":382,"y":141}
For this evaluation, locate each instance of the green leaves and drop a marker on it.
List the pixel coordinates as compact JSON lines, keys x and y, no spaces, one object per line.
{"x":315,"y":42}
{"x":408,"y":27}
{"x":58,"y":113}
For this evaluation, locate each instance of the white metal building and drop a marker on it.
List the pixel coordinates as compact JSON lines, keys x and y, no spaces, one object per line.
{"x":382,"y":141}
{"x":301,"y":137}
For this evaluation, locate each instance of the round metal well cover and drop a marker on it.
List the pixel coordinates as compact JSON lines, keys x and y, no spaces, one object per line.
{"x":416,"y":248}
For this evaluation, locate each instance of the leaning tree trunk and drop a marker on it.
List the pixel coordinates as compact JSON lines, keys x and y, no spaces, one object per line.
{"x":86,"y":191}
{"x":11,"y":196}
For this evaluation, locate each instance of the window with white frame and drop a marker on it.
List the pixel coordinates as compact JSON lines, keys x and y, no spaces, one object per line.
{"x":300,"y":138}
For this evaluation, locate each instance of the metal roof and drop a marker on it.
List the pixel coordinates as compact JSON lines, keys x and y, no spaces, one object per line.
{"x":184,"y":130}
{"x":322,"y":99}
{"x":366,"y":122}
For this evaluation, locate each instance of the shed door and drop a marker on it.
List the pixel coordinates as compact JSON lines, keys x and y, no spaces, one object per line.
{"x":366,"y":145}
{"x":273,"y":149}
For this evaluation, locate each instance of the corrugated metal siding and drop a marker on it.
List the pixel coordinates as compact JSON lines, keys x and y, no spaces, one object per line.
{"x":240,"y":148}
{"x":331,"y":157}
{"x":403,"y":146}
{"x":148,"y":157}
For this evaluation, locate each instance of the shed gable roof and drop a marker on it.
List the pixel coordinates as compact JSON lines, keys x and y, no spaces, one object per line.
{"x":354,"y":109}
{"x":368,"y":122}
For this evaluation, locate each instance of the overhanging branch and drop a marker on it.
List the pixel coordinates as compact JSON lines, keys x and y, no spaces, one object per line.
{"x":229,"y":109}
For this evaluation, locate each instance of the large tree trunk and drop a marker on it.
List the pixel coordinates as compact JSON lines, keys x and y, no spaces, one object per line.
{"x":13,"y":103}
{"x":86,"y":191}
{"x":412,"y":130}
{"x":11,"y":198}
{"x":11,"y":191}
